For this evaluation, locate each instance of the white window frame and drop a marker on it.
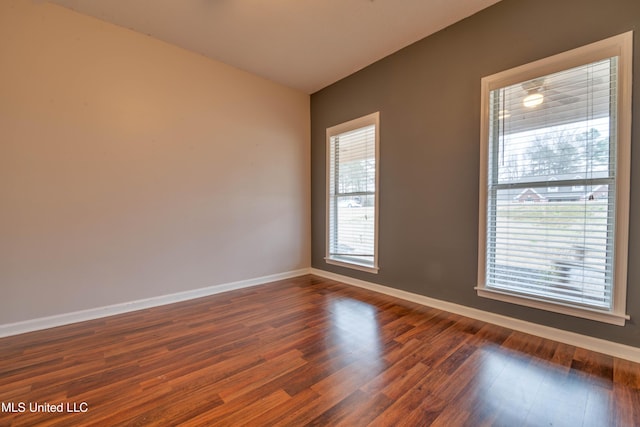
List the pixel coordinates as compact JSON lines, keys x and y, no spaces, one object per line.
{"x":620,"y":46}
{"x":368,"y":120}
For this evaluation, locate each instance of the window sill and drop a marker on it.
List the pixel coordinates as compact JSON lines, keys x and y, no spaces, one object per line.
{"x":352,"y":265}
{"x":556,"y":307}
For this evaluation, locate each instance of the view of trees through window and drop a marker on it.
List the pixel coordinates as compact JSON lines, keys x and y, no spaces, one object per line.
{"x":357,"y":176}
{"x":561,"y":152}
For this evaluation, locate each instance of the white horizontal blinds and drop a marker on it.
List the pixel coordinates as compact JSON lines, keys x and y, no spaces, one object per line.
{"x":352,"y":182}
{"x":552,"y":183}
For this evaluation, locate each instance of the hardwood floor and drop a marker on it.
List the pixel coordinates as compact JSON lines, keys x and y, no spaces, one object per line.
{"x":308,"y":351}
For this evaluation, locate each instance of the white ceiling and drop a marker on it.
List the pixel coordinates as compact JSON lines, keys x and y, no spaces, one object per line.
{"x":303,"y":44}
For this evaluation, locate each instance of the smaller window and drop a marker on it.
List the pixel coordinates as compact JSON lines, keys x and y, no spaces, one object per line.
{"x":352,"y":187}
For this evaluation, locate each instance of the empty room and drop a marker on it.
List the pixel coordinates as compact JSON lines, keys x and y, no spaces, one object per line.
{"x":319,"y":212}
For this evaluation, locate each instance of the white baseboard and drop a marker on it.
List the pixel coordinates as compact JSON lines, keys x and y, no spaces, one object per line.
{"x":96,"y":313}
{"x":590,"y":343}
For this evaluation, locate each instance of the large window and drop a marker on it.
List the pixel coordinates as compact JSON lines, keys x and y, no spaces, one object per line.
{"x":352,"y":186}
{"x":554,"y":184}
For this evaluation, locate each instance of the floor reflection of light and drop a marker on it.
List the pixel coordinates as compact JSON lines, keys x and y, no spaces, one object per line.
{"x":517,"y":388}
{"x":355,"y":329}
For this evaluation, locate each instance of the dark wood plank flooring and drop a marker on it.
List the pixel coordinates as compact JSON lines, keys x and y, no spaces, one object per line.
{"x":308,"y":351}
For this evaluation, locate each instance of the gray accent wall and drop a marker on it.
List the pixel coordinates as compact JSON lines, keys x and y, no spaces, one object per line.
{"x":428,"y":95}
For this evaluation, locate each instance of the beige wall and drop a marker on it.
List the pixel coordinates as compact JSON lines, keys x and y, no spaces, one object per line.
{"x":130,"y":168}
